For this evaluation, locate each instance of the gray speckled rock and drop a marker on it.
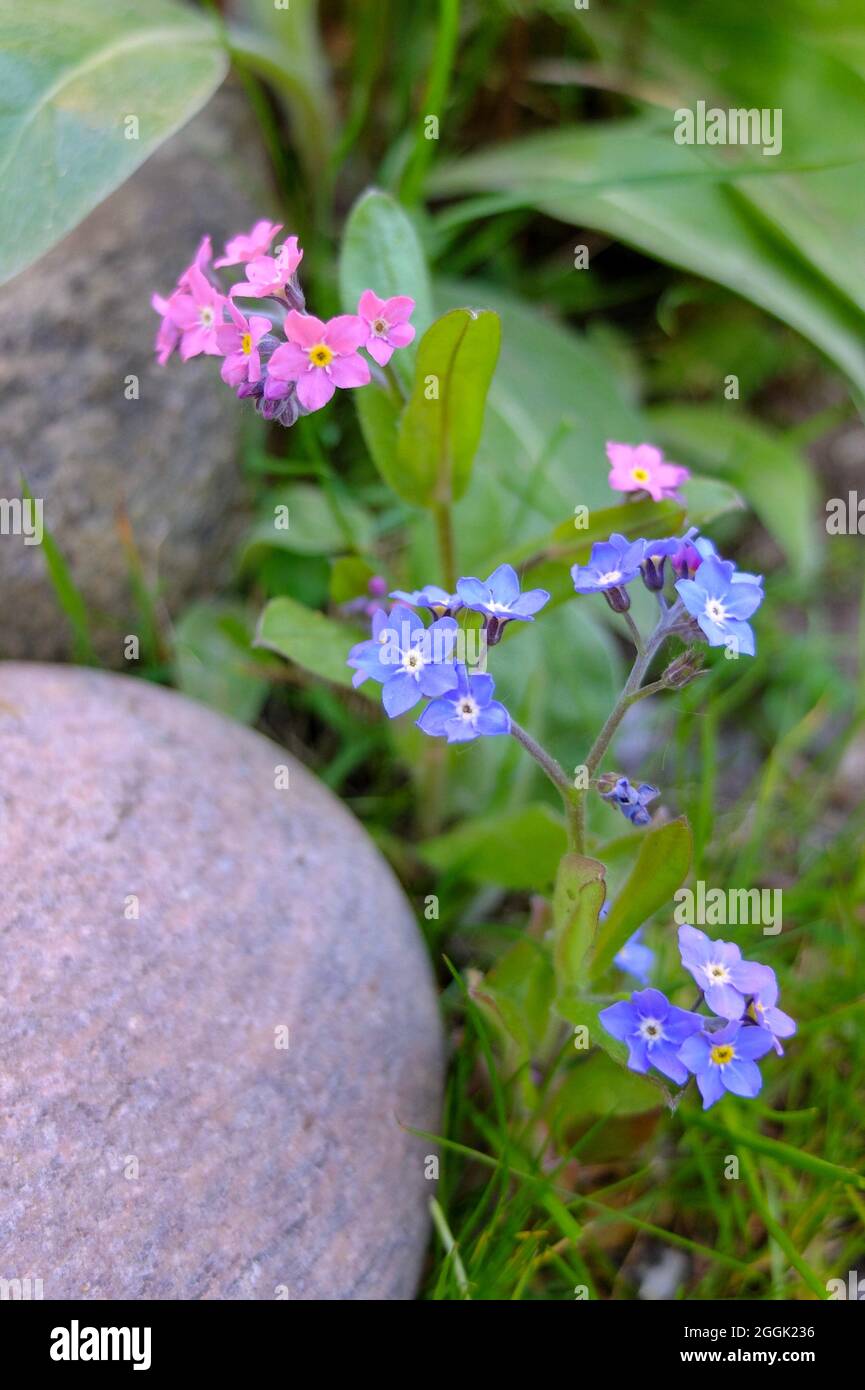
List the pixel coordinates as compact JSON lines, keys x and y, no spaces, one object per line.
{"x":150,"y":1044}
{"x":72,"y":328}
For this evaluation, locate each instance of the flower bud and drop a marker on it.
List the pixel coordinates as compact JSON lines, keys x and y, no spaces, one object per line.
{"x":683,"y":669}
{"x":653,"y":574}
{"x":618,"y":599}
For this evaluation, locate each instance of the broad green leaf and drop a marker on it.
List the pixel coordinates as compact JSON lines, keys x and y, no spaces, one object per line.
{"x":441,"y":425}
{"x":577,"y":900}
{"x":381,"y":252}
{"x":599,"y":1086}
{"x":517,"y":849}
{"x":317,"y":643}
{"x":517,"y":994}
{"x":73,"y":76}
{"x":661,"y":867}
{"x":631,"y":180}
{"x":303,"y":519}
{"x":214,"y":663}
{"x":378,"y":413}
{"x":769,"y":471}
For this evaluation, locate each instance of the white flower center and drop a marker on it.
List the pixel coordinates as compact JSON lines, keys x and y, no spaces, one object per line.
{"x":716,"y":973}
{"x":379,"y":328}
{"x":412,"y":661}
{"x":650,"y":1030}
{"x":206,"y":316}
{"x":716,"y":612}
{"x":467,"y":708}
{"x":496,"y":607}
{"x":611,"y":577}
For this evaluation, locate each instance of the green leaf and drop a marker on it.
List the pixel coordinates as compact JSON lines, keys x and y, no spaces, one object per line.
{"x":517,"y":849}
{"x":661,"y":867}
{"x":442,"y":422}
{"x":769,"y":471}
{"x":214,"y":662}
{"x":317,"y":643}
{"x":378,"y":413}
{"x":71,"y":76}
{"x":578,"y":898}
{"x":599,"y":1086}
{"x":517,"y":994}
{"x":381,"y":252}
{"x":316,"y":525}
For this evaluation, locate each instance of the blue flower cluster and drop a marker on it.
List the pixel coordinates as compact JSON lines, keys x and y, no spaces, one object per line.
{"x":712,"y":591}
{"x":412,"y":661}
{"x":721,"y":1051}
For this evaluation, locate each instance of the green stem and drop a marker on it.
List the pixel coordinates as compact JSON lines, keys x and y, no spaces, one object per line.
{"x":633,"y":691}
{"x":445,"y":535}
{"x":560,"y":781}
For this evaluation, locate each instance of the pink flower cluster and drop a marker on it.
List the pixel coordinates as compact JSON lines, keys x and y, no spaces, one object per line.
{"x":286,"y":376}
{"x":643,"y":468}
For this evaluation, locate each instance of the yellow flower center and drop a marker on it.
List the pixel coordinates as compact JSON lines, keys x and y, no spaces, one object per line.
{"x":246,"y":343}
{"x":640,"y":475}
{"x":721,"y":1054}
{"x":320,"y":355}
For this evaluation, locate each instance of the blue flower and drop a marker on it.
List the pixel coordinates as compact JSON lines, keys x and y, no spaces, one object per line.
{"x":365,"y":656}
{"x":408,"y":659}
{"x":437,"y":600}
{"x":722,"y":600}
{"x":763,"y":1010}
{"x":466,"y":712}
{"x":632,"y":801}
{"x":499,"y":600}
{"x":613,"y":563}
{"x":654,"y":1030}
{"x":635,"y":958}
{"x":726,"y":1060}
{"x":727,"y":981}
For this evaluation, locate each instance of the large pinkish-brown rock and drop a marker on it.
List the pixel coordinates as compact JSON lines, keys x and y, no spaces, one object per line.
{"x":156,"y":1141}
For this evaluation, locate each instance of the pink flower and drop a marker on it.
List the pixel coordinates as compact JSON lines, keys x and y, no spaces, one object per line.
{"x":247,"y":247}
{"x":387,"y":324}
{"x":168,"y":333}
{"x":239,"y":342}
{"x":197,"y":311}
{"x":268,"y":275}
{"x":641,"y":467}
{"x":203,"y":257}
{"x":318,"y":357}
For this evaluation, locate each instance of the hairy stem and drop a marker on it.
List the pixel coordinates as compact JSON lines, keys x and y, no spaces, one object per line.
{"x":633,"y":691}
{"x":560,"y":781}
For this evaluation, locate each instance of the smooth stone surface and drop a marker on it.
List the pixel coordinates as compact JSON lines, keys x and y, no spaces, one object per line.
{"x":261,"y":1172}
{"x":74,"y":326}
